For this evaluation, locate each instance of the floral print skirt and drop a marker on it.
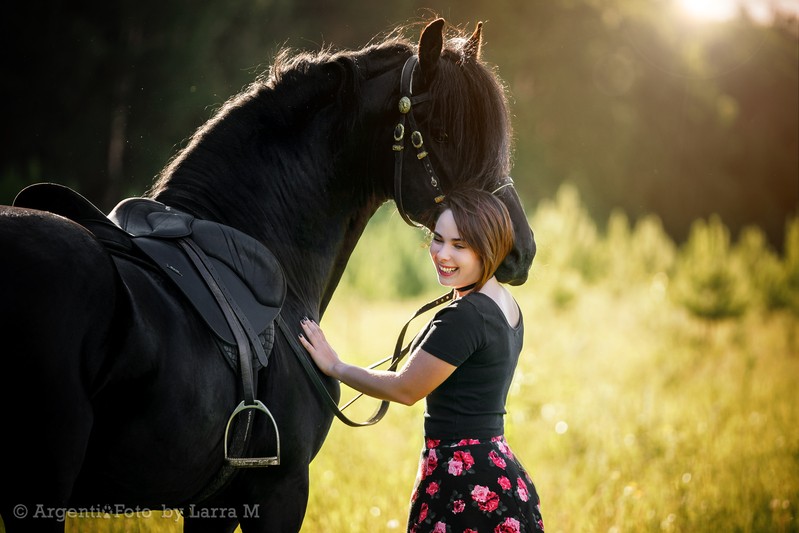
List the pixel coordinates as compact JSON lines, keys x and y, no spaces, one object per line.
{"x":473,"y":486}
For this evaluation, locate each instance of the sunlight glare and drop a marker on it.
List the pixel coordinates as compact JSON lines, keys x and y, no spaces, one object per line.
{"x":709,"y":10}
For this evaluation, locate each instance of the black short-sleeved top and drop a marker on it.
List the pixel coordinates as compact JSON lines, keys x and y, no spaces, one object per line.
{"x":472,"y":334}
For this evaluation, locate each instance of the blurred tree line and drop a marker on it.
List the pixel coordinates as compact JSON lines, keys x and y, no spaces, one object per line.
{"x":640,"y":108}
{"x":710,"y":275}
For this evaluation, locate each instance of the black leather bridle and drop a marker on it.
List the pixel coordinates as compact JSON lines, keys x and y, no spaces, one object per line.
{"x":406,"y":102}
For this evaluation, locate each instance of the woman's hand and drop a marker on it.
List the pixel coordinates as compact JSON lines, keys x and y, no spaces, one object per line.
{"x":421,"y":374}
{"x":321,"y":352}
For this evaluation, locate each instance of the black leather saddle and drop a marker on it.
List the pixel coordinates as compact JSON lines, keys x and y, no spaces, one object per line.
{"x":248,"y":270}
{"x":232,"y":280}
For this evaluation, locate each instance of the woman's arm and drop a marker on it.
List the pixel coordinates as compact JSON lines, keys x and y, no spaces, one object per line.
{"x":420,"y":375}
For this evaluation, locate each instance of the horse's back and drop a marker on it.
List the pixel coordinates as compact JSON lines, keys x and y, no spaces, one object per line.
{"x":56,"y":308}
{"x":55,"y":278}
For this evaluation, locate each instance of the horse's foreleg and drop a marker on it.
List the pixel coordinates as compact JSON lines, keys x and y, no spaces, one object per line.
{"x":277,"y":504}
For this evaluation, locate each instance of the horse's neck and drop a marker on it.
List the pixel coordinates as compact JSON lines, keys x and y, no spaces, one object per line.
{"x":290,"y":200}
{"x":313,"y":238}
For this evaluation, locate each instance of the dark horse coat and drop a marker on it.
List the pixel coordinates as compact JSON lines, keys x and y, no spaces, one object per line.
{"x":113,"y":392}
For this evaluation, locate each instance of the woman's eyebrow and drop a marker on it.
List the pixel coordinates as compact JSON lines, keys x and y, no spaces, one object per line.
{"x":454,"y":239}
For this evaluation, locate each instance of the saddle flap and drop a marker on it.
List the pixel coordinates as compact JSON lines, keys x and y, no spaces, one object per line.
{"x":174,"y":263}
{"x":253,"y":263}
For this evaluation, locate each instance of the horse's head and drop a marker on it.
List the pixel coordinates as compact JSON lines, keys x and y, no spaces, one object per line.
{"x":300,"y":148}
{"x":453,"y":131}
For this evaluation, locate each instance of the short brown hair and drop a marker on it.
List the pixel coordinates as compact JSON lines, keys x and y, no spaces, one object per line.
{"x":484,"y":223}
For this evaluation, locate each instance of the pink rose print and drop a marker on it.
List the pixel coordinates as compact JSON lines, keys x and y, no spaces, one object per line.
{"x":510,"y":525}
{"x":432,"y":488}
{"x":486,"y":500}
{"x":468,"y":442}
{"x":422,"y":513}
{"x":460,"y":462}
{"x":458,"y":506}
{"x":455,"y":468}
{"x":430,"y":464}
{"x":432,"y":443}
{"x":440,"y":527}
{"x":469,"y":530}
{"x":490,"y":504}
{"x":498,"y":461}
{"x":502,"y":444}
{"x":466,"y":458}
{"x":521,"y":489}
{"x":504,"y":483}
{"x":480,"y":493}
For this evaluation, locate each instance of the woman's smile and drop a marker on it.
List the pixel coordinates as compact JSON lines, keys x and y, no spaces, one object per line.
{"x":446,"y":271}
{"x":456,"y":263}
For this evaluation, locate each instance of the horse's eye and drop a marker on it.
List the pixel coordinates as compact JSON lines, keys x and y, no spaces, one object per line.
{"x":440,"y":136}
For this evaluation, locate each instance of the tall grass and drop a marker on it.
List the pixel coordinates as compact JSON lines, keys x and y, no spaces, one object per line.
{"x":634,"y":407}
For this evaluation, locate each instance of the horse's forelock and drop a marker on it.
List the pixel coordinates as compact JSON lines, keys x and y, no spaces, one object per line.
{"x":469,"y":98}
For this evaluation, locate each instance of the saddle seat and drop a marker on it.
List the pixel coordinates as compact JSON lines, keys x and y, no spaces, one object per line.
{"x":249,"y":271}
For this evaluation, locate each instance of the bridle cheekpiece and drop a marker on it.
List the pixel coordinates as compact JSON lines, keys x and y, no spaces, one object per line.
{"x":406,"y":102}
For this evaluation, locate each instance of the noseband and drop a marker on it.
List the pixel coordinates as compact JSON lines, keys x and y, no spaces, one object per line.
{"x":406,"y":103}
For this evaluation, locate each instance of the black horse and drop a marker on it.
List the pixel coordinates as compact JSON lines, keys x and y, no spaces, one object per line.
{"x":113,"y":393}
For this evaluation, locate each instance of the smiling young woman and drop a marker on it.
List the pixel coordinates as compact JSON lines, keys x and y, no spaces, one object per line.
{"x":462,"y":364}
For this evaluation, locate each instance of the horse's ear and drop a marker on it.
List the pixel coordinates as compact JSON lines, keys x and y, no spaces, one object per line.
{"x":472,"y":46}
{"x":430,"y":45}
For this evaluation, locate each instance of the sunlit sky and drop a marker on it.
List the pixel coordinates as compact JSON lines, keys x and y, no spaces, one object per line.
{"x":721,"y":10}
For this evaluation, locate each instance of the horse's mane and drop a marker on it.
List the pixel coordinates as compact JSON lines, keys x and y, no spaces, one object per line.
{"x":299,"y":84}
{"x":293,"y":90}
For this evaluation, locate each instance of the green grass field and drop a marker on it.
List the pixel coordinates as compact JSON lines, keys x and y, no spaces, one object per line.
{"x":630,"y":419}
{"x":632,"y":410}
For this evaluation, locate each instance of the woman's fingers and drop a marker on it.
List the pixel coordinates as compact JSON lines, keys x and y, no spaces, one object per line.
{"x":313,"y":335}
{"x":313,"y":340}
{"x":311,"y":329}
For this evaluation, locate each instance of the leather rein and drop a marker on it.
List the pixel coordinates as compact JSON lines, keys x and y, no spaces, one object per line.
{"x":399,"y":353}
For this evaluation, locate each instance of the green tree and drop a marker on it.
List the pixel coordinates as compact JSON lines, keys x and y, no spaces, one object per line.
{"x":708,"y":281}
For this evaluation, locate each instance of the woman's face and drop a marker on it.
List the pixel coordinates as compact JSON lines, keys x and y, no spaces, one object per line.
{"x":456,"y":263}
